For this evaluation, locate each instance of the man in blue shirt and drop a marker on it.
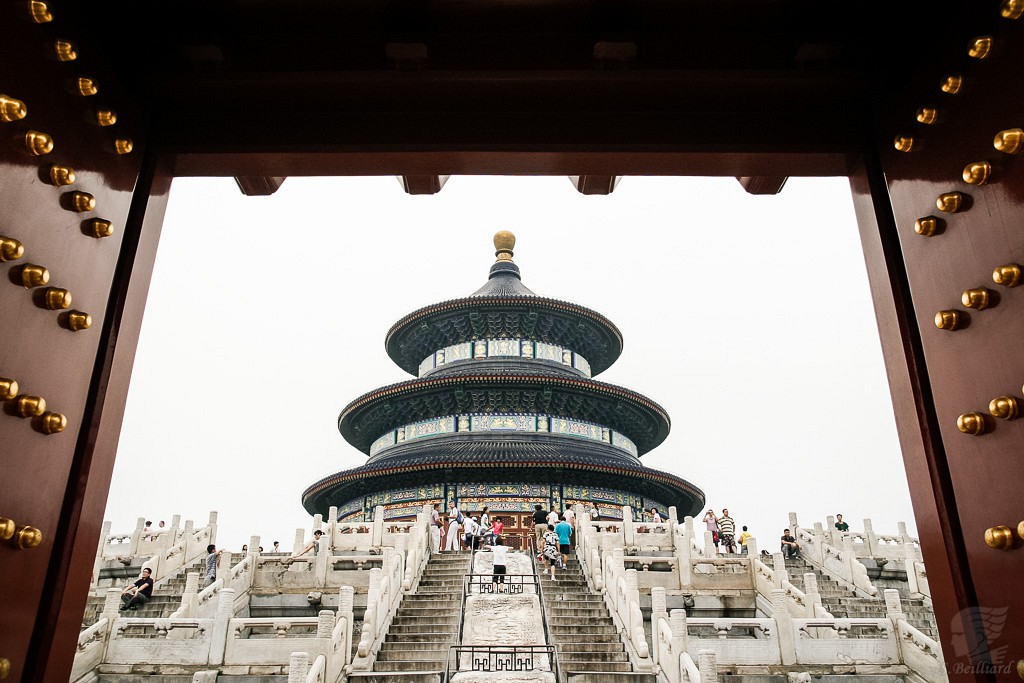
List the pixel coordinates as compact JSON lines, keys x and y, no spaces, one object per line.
{"x":564,"y":531}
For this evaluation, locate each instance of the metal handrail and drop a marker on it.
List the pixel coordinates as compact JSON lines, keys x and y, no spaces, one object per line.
{"x":543,"y":608}
{"x":504,"y":658}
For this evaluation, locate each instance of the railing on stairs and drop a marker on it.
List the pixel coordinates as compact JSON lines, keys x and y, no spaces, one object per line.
{"x":500,"y":658}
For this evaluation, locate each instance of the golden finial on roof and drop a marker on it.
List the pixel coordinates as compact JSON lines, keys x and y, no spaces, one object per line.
{"x":504,"y":242}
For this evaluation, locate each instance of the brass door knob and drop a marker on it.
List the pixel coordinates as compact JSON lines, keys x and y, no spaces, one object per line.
{"x":1004,"y":407}
{"x":976,"y":298}
{"x":980,"y":47}
{"x":952,"y":84}
{"x":27,"y":537}
{"x":52,"y":423}
{"x":971,"y":423}
{"x":106,"y":117}
{"x":79,"y":320}
{"x":926,"y":226}
{"x":7,"y":527}
{"x":950,"y":202}
{"x":61,"y":175}
{"x":1020,"y":668}
{"x":12,"y":109}
{"x":81,"y":202}
{"x":38,"y":143}
{"x":1007,"y":276}
{"x":10,"y":249}
{"x":948,"y":320}
{"x":903,"y":143}
{"x":86,"y":87}
{"x":34,"y":276}
{"x":8,"y":388}
{"x":1008,"y":141}
{"x":5,"y":667}
{"x":65,"y":50}
{"x":1020,"y":529}
{"x":1000,"y":538}
{"x":56,"y":298}
{"x":977,"y":173}
{"x":31,"y":406}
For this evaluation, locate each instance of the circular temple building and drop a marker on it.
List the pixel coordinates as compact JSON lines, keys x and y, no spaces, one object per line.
{"x":504,"y":412}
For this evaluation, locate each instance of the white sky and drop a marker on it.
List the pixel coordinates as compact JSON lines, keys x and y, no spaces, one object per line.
{"x":748,"y":318}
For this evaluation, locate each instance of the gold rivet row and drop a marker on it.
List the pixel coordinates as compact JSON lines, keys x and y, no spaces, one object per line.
{"x":34,"y":276}
{"x":32,"y":407}
{"x":975,"y":423}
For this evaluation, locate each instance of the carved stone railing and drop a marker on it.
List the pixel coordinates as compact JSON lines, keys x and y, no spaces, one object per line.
{"x":165,"y":550}
{"x":622,"y":597}
{"x":255,"y":645}
{"x":840,"y":565}
{"x":783,"y":640}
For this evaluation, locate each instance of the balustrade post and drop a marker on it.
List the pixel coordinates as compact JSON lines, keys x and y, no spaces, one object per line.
{"x":298,"y":667}
{"x":213,"y":526}
{"x":709,"y":544}
{"x":683,"y":554}
{"x":658,"y":612}
{"x":332,"y":524}
{"x":190,"y":598}
{"x":300,"y":541}
{"x":133,"y":547}
{"x":346,"y":600}
{"x":97,"y":564}
{"x":820,"y":539}
{"x":628,"y":528}
{"x":221,"y":623}
{"x":175,"y":528}
{"x":707,"y":667}
{"x":753,"y":552}
{"x":224,"y":567}
{"x":849,"y":556}
{"x":870,"y":540}
{"x":324,"y":623}
{"x":831,"y":530}
{"x":320,"y":562}
{"x":784,"y":626}
{"x":893,"y":605}
{"x":680,"y":635}
{"x":188,"y":533}
{"x":377,"y":534}
{"x":812,"y":598}
{"x":111,"y":603}
{"x":673,"y":523}
{"x":901,"y":529}
{"x":793,"y":523}
{"x":779,"y":572}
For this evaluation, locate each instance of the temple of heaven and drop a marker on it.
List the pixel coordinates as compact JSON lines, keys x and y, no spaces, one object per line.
{"x":503,"y":412}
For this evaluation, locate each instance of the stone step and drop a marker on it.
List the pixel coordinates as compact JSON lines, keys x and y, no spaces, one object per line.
{"x":387,"y":654}
{"x":444,"y":622}
{"x":581,"y":621}
{"x":576,"y":665}
{"x":590,"y":646}
{"x":609,"y":677}
{"x":596,"y":613}
{"x":423,"y":627}
{"x":567,"y":657}
{"x":395,"y":676}
{"x":410,"y":665}
{"x":422,"y":639}
{"x":583,"y":630}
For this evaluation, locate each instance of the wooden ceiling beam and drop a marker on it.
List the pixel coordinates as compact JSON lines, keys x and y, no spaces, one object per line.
{"x":259,"y":186}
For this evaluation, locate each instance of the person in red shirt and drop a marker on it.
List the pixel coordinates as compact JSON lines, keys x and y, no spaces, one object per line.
{"x":496,"y":531}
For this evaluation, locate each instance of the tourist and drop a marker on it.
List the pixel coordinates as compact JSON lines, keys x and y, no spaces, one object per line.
{"x":743,"y":540}
{"x":485,"y":533}
{"x":712,"y":524}
{"x":138,"y":593}
{"x":212,"y":555}
{"x":435,"y":529}
{"x":451,"y":539}
{"x":455,"y":513}
{"x":841,"y":525}
{"x":790,"y":548}
{"x":496,"y":530}
{"x":552,"y":517}
{"x":655,"y":516}
{"x":485,"y":519}
{"x":277,"y":547}
{"x":313,"y":545}
{"x":146,"y":536}
{"x":500,"y":551}
{"x":471,"y":531}
{"x":570,"y":516}
{"x":550,"y":553}
{"x":540,"y":526}
{"x":727,"y":532}
{"x":591,"y":512}
{"x":245,"y":548}
{"x":564,"y":531}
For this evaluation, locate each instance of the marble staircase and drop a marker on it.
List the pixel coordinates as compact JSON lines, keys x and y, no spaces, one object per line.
{"x":579,"y":626}
{"x":166,"y":598}
{"x":842,"y":603}
{"x":425,"y":626}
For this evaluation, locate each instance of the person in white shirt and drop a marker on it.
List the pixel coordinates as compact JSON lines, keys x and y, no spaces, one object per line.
{"x":656,"y":516}
{"x":451,"y":539}
{"x":471,"y":528}
{"x":553,"y":518}
{"x":500,"y":553}
{"x":435,"y":529}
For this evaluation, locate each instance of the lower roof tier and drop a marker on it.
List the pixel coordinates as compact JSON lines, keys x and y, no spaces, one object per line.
{"x":510,"y":460}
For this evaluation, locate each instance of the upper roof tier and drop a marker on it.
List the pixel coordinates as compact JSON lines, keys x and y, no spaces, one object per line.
{"x":504,"y":308}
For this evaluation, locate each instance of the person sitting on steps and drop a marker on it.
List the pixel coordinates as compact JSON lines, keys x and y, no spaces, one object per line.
{"x":138,"y":593}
